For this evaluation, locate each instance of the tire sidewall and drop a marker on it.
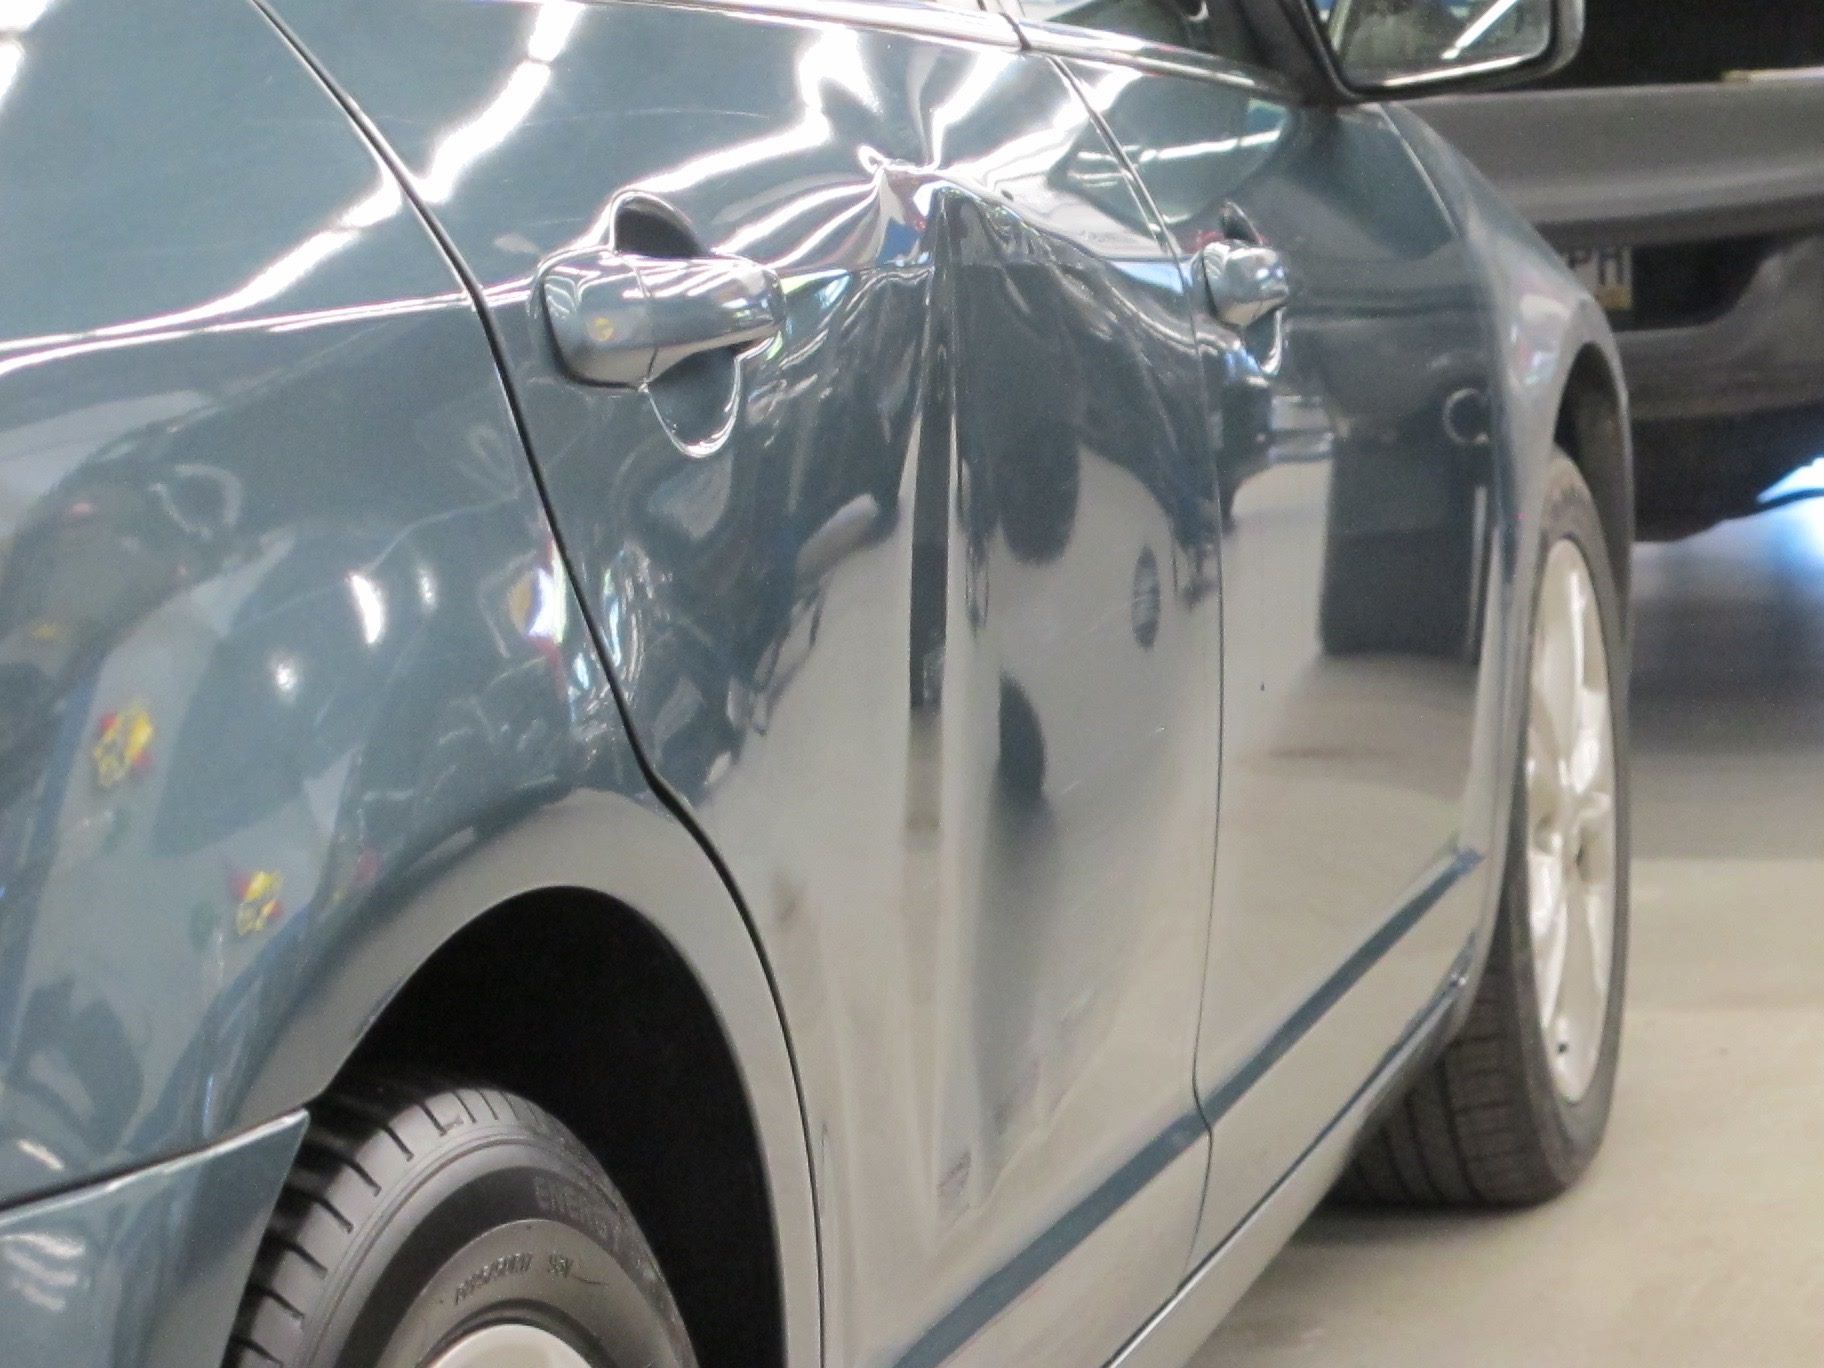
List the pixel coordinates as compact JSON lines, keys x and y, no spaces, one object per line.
{"x":507,"y":1225}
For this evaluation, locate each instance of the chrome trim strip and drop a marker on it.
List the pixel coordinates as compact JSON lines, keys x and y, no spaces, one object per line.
{"x":1457,"y":73}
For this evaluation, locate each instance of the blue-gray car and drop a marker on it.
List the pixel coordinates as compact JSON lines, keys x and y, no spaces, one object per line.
{"x":765,"y":683}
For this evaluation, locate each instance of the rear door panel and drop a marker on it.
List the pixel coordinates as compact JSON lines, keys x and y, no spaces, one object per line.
{"x":913,"y":608}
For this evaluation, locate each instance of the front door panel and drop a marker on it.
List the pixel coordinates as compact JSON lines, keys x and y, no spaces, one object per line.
{"x":912,"y":606}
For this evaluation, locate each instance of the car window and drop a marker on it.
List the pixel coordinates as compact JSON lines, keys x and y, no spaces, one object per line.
{"x":1215,"y":27}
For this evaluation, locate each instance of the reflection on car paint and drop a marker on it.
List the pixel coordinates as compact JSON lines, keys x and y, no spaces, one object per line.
{"x":263,"y":653}
{"x":123,"y":745}
{"x":256,"y":900}
{"x":1353,"y":577}
{"x":964,"y":503}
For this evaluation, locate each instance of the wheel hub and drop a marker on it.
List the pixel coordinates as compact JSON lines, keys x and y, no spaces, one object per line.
{"x":509,"y":1346}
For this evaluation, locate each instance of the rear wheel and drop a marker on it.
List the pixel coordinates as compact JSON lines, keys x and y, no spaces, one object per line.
{"x":439,"y":1225}
{"x":1516,"y":1107}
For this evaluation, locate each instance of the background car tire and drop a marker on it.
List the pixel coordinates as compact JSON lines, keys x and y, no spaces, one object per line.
{"x":1485,"y":1125}
{"x":420,"y":1213}
{"x":1401,"y":552}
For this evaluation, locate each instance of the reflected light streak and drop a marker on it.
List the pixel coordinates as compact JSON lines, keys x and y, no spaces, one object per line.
{"x":808,"y":133}
{"x":370,"y":606}
{"x":1033,"y":154}
{"x":1102,"y":92}
{"x":831,"y":60}
{"x":970,"y":94}
{"x":16,"y":16}
{"x":12,"y":53}
{"x":1807,"y":479}
{"x":266,"y":284}
{"x":469,"y":142}
{"x":382,"y":203}
{"x":830,"y":226}
{"x":1475,"y":32}
{"x":286,"y":675}
{"x":32,"y":1149}
{"x":1798,"y":519}
{"x":551,"y":31}
{"x":1186,"y":151}
{"x":834,"y":62}
{"x":56,"y":1247}
{"x":764,"y":227}
{"x":549,"y":617}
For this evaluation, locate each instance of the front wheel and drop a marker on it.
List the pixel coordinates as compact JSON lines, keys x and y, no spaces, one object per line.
{"x":438,"y":1225}
{"x":1515,"y":1108}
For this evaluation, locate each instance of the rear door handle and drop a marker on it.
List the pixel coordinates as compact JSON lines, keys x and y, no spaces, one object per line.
{"x":623,"y":319}
{"x":1245,"y":280}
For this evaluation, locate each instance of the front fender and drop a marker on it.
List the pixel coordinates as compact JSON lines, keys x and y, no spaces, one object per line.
{"x":1543,"y":324}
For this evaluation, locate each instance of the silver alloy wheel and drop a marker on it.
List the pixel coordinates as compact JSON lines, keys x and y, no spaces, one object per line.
{"x":1570,"y":819}
{"x":510,"y":1346}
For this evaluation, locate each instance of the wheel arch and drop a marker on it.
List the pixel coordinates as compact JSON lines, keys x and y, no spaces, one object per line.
{"x":1592,"y":429}
{"x":592,"y":959}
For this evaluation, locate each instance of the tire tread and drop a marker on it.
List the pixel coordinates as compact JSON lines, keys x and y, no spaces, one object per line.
{"x":361,"y":1138}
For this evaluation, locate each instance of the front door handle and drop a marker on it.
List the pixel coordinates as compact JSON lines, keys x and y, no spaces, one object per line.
{"x":623,"y":319}
{"x":1246,"y":281}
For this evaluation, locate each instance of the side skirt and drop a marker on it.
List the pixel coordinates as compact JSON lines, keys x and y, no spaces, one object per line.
{"x":1180,"y":1327}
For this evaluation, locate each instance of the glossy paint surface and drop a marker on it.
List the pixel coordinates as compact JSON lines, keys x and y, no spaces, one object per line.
{"x":280,"y":616}
{"x":1359,"y":487}
{"x":917,"y":611}
{"x":292,"y":682}
{"x":143,"y":1271}
{"x":913,"y":608}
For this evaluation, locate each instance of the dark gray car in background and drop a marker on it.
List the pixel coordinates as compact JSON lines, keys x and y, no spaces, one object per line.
{"x":1679,"y":163}
{"x":822,"y":682}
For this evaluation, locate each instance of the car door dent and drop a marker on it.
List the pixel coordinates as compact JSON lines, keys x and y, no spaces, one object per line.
{"x":289,"y":651}
{"x":921,"y":189}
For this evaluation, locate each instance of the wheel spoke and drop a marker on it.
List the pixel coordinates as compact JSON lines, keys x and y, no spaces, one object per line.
{"x":1570,"y":836}
{"x":1576,"y":610}
{"x":1577,"y":1018}
{"x":1595,"y":808}
{"x":1554,"y":699}
{"x":1544,"y":787}
{"x":1598,"y":917}
{"x":1551,"y":928}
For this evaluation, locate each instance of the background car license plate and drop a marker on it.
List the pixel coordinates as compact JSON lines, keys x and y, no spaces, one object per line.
{"x":1608,"y":274}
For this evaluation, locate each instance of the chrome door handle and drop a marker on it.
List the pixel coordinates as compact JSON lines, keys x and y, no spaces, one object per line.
{"x":1245,"y":281}
{"x":622,"y":319}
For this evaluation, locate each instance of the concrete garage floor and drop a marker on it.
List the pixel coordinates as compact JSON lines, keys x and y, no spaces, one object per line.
{"x":1698,"y":1238}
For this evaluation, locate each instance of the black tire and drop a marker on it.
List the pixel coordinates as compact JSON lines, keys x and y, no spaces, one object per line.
{"x":422,"y":1211}
{"x":1406,"y":589}
{"x":1484,"y":1125}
